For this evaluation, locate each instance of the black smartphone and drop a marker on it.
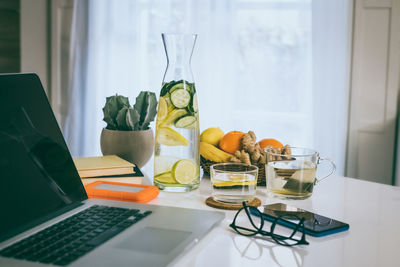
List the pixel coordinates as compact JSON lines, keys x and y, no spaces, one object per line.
{"x":314,"y":224}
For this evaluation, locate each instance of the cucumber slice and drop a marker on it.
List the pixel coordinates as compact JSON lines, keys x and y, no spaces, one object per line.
{"x":192,"y":108}
{"x":192,"y":126}
{"x":182,"y":84}
{"x":167,"y":87}
{"x":180,"y":98}
{"x":177,"y":87}
{"x":194,"y":103}
{"x":185,"y":121}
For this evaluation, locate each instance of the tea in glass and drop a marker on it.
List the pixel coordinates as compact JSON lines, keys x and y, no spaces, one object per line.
{"x":291,"y":178}
{"x":233,"y":182}
{"x":292,"y":175}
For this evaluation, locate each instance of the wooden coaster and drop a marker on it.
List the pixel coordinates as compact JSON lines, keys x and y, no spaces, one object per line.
{"x":226,"y":206}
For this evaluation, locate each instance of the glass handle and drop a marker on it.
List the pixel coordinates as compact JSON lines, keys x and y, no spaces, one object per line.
{"x":332,"y":170}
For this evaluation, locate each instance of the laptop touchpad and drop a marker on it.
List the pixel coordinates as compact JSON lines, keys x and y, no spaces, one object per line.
{"x":154,"y":240}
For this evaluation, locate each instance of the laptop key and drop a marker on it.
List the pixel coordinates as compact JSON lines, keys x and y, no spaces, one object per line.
{"x":148,"y":212}
{"x":66,"y":241}
{"x":106,"y":235}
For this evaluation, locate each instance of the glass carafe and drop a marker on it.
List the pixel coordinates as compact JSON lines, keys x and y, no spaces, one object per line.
{"x":176,"y":154}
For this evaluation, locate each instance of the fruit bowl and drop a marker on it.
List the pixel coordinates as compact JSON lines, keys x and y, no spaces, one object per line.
{"x":206,"y":164}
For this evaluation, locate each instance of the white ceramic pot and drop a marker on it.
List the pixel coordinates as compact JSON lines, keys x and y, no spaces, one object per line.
{"x":133,"y":146}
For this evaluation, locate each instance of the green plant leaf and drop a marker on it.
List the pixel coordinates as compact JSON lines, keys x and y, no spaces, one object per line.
{"x":146,"y":106}
{"x":111,"y":109}
{"x":132,"y":119}
{"x":121,"y":119}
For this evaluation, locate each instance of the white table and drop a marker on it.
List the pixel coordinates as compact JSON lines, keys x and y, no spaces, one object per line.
{"x":371,"y":209}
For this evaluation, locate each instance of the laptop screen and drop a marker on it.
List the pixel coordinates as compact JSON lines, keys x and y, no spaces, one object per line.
{"x":37,"y":174}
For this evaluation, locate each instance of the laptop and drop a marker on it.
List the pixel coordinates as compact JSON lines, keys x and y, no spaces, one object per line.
{"x":46,"y":217}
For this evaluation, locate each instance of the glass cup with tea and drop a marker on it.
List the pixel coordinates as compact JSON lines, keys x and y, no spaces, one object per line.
{"x":233,"y":183}
{"x":293,"y":175}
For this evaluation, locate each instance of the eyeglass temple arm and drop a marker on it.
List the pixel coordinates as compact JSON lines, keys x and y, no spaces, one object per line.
{"x":246,"y":209}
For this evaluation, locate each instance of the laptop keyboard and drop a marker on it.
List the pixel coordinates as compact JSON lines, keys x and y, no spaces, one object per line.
{"x":66,"y":241}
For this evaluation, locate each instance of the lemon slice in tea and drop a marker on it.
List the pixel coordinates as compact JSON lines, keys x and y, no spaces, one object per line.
{"x":184,"y":171}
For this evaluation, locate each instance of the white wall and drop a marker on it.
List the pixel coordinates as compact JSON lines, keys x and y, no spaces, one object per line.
{"x":374,"y":90}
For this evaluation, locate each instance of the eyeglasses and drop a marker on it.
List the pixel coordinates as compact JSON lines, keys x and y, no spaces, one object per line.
{"x":277,"y":233}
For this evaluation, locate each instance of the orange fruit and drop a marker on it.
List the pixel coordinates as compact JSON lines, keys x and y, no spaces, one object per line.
{"x":269,"y":142}
{"x":231,"y":142}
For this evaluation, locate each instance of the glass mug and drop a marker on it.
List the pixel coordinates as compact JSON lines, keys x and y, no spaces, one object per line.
{"x":233,"y":182}
{"x":293,"y":176}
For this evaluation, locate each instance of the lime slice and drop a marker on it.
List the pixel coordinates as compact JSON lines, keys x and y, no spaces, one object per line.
{"x":165,"y":178}
{"x":180,"y":98}
{"x":184,"y":171}
{"x":162,"y":109}
{"x":163,"y":164}
{"x":169,"y":137}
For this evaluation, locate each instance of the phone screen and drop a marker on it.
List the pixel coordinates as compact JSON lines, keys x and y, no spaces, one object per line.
{"x":314,"y":224}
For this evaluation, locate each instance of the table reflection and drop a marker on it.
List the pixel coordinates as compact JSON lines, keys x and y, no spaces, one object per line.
{"x":253,"y":249}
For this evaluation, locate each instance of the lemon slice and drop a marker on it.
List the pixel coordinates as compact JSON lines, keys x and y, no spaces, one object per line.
{"x":165,"y":178}
{"x":229,"y":184}
{"x":162,"y":109}
{"x":184,"y":171}
{"x":169,"y":137}
{"x":173,"y":116}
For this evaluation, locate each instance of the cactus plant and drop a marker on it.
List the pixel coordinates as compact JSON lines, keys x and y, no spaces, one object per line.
{"x":119,"y":115}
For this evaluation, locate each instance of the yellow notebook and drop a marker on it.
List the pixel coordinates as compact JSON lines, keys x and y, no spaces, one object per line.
{"x":124,"y":179}
{"x":102,"y":166}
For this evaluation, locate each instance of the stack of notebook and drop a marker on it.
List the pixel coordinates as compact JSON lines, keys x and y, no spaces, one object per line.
{"x":107,"y":168}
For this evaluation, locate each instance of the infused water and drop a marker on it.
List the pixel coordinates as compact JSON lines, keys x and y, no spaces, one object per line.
{"x":234,"y":188}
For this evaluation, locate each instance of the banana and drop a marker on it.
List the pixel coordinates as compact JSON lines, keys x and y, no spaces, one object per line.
{"x":213,"y":153}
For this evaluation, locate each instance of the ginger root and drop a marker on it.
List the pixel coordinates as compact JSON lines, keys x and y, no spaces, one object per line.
{"x":277,"y":153}
{"x":243,"y":156}
{"x":255,"y":157}
{"x":252,"y":153}
{"x":249,"y":141}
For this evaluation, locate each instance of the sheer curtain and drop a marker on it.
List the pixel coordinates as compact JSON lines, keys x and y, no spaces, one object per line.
{"x":277,"y":67}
